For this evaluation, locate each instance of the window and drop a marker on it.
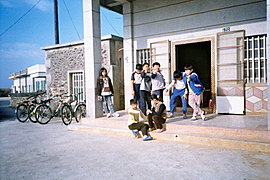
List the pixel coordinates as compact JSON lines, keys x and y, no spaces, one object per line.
{"x":43,"y":85}
{"x":77,"y":85}
{"x":37,"y":86}
{"x":255,"y":59}
{"x":143,"y":56}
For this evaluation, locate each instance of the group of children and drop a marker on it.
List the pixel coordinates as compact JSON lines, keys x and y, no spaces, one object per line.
{"x":147,"y":90}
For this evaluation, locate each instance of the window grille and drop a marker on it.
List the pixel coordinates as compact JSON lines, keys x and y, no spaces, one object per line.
{"x":77,"y":82}
{"x":143,"y":56}
{"x":255,"y":61}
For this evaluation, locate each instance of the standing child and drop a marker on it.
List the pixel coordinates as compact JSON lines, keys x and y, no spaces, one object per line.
{"x":195,"y":88}
{"x":136,"y":81}
{"x":145,"y":89}
{"x":105,"y":90}
{"x":158,"y":82}
{"x":179,"y":91}
{"x":133,"y":121}
{"x":157,"y":116}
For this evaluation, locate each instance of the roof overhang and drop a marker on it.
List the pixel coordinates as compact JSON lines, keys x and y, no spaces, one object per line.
{"x":114,"y":5}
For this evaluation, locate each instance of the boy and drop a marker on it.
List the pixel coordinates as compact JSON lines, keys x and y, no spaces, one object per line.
{"x":133,"y":121}
{"x":179,"y":91}
{"x":157,"y":116}
{"x":136,"y":81}
{"x":145,"y":89}
{"x":158,"y":82}
{"x":195,"y":88}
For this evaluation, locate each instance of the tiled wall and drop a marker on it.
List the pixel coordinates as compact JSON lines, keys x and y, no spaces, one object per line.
{"x":256,"y":99}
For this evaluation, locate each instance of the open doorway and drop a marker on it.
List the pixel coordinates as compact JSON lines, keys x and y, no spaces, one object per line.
{"x":199,"y":56}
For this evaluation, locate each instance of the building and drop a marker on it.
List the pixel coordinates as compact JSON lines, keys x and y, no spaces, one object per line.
{"x":29,"y":80}
{"x":226,"y":41}
{"x":65,"y":67}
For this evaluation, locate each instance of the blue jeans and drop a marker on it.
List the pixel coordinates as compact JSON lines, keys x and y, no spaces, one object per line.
{"x":159,"y":93}
{"x":137,"y":92}
{"x":178,"y":93}
{"x":144,"y":100}
{"x":107,"y":103}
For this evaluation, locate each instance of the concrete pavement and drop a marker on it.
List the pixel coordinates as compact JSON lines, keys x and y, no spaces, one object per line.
{"x":32,"y":151}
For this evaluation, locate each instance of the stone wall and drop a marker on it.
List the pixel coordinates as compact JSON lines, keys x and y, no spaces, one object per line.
{"x":66,"y":58}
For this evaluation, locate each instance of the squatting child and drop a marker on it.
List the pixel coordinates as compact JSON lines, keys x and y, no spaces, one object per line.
{"x":133,"y":121}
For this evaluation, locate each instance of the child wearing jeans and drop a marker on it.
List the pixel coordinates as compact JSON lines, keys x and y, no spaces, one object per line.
{"x":133,"y":121}
{"x":105,"y":90}
{"x":136,"y":81}
{"x":195,"y":88}
{"x":158,"y":81}
{"x":178,"y":92}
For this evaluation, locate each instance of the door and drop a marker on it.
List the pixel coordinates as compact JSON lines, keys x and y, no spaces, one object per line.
{"x":230,"y":73}
{"x":161,"y":52}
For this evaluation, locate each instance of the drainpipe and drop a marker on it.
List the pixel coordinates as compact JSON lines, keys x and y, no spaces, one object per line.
{"x":132,"y":34}
{"x":56,"y":26}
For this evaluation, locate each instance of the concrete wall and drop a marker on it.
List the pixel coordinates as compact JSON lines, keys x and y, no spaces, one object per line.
{"x":67,"y":58}
{"x":147,"y":22}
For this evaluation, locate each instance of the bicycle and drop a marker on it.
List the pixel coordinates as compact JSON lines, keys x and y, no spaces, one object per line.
{"x":79,"y":110}
{"x":44,"y":112}
{"x":24,"y":108}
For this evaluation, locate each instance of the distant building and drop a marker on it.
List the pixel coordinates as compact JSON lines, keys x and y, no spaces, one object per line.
{"x":29,"y":80}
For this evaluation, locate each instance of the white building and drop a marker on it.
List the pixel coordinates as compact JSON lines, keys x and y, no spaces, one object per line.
{"x":225,"y":41}
{"x":29,"y":80}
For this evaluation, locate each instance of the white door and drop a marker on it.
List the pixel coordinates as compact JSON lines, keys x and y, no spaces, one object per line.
{"x":230,"y":73}
{"x":161,"y":52}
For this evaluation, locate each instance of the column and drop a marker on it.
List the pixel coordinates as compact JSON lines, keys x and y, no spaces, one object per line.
{"x":268,"y":56}
{"x":92,"y":53}
{"x":128,"y":50}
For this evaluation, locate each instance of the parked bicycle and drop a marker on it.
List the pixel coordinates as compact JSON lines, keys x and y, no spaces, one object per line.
{"x":24,"y":108}
{"x":73,"y":108}
{"x":50,"y":108}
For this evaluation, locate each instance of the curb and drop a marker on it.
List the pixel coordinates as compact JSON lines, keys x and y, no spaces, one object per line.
{"x":198,"y":139}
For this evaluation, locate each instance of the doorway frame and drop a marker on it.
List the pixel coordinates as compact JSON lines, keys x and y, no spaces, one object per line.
{"x":212,"y":40}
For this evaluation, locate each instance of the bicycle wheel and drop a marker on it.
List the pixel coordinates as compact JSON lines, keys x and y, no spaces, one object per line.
{"x":31,"y":113}
{"x":22,"y":113}
{"x":43,"y":114}
{"x":80,"y":112}
{"x":66,"y":114}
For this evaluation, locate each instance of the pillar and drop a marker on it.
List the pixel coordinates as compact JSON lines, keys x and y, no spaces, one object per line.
{"x":92,"y":52}
{"x":267,"y":57}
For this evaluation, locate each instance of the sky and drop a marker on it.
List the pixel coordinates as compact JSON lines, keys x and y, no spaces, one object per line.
{"x":20,"y":45}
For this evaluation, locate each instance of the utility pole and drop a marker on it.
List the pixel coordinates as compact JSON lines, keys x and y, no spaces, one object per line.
{"x":56,"y":26}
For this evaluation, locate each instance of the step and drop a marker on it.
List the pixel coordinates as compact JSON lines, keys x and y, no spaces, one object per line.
{"x":237,"y":139}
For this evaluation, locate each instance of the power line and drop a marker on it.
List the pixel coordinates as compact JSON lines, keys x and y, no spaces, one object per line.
{"x":110,"y":23}
{"x":20,"y":18}
{"x":71,"y":20}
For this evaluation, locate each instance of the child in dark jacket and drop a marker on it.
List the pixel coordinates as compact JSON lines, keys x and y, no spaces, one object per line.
{"x":105,"y":91}
{"x":157,"y":116}
{"x":195,"y":88}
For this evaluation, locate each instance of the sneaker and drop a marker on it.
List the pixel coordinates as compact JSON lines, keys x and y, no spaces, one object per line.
{"x":109,"y":115}
{"x":184,"y":116}
{"x":170,"y":115}
{"x":193,"y":118}
{"x":135,"y":133}
{"x":147,"y":138}
{"x":203,"y":116}
{"x":116,"y":114}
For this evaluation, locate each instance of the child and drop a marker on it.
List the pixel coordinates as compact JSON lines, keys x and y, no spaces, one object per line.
{"x":105,"y":90}
{"x":195,"y":88}
{"x":158,"y":82}
{"x":136,"y":81}
{"x":179,"y":91}
{"x":145,"y":89}
{"x":133,"y":121}
{"x":157,"y":116}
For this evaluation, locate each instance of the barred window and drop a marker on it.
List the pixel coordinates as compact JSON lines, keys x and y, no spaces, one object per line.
{"x":143,"y":56}
{"x":255,"y":62}
{"x":77,"y":85}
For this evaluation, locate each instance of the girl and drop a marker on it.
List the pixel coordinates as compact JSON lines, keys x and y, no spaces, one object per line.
{"x":105,"y":90}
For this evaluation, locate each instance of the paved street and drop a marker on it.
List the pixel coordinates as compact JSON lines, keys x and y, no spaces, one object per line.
{"x":33,"y":151}
{"x":6,"y":113}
